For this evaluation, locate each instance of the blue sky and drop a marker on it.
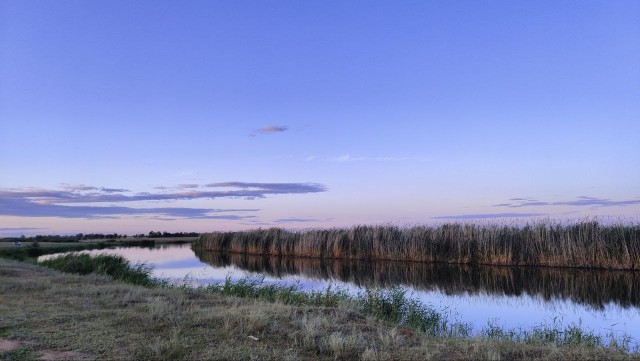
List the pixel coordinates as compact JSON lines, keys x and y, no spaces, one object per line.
{"x":120,"y":116}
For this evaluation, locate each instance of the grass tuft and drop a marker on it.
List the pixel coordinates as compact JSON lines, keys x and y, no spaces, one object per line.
{"x":254,"y":287}
{"x":394,"y":306}
{"x":19,"y":354}
{"x":112,"y":265}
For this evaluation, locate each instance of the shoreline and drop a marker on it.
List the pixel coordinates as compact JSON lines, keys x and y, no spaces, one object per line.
{"x":95,"y":317}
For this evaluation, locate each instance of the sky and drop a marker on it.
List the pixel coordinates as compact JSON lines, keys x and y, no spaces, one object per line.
{"x":133,"y":116}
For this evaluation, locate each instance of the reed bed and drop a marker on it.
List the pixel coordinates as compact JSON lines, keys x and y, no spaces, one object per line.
{"x":585,"y":244}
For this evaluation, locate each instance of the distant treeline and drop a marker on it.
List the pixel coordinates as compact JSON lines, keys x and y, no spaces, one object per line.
{"x":106,"y":236}
{"x":585,"y":244}
{"x":69,"y":238}
{"x":166,"y":235}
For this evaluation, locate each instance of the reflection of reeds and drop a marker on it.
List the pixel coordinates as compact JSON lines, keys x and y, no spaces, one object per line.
{"x":595,"y":288}
{"x":586,"y":244}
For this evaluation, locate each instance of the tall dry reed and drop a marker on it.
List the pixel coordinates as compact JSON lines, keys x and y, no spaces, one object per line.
{"x":585,"y":244}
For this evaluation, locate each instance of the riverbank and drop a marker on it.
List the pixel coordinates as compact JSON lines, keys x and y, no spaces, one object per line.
{"x":95,"y":317}
{"x":579,"y":245}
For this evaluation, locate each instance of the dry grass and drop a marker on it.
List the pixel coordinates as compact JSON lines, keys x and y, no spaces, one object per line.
{"x":97,"y":316}
{"x":585,"y":244}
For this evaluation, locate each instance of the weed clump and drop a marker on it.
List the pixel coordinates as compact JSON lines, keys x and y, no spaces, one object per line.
{"x":111,"y":265}
{"x":255,"y":288}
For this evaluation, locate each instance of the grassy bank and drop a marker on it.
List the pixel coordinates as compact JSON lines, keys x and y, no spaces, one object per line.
{"x":96,"y":317}
{"x":116,"y":267}
{"x":585,"y":244}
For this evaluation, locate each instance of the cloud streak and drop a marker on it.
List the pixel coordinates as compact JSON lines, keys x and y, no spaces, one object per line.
{"x":238,"y":190}
{"x":346,"y":158}
{"x":12,"y":229}
{"x":27,"y":208}
{"x":296,"y":220}
{"x":582,"y":201}
{"x":490,"y":215}
{"x":71,"y":201}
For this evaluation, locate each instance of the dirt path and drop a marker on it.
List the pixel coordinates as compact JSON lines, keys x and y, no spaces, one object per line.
{"x":43,"y":354}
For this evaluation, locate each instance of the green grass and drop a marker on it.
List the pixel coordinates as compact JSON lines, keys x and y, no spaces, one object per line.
{"x":394,"y":306}
{"x":584,"y":245}
{"x":391,"y":305}
{"x":19,"y":354}
{"x":254,"y":288}
{"x":111,"y":265}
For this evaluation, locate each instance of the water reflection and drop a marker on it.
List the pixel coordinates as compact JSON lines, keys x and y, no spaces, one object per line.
{"x":593,"y":288}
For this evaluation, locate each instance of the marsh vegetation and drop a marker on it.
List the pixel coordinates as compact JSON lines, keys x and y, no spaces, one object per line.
{"x":580,"y":245}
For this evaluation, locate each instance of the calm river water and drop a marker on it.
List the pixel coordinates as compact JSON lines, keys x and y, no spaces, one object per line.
{"x":605,"y":302}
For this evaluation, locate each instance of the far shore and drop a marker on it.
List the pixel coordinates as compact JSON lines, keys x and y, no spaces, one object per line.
{"x":9,"y":242}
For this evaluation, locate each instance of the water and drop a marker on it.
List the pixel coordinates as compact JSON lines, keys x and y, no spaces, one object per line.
{"x":606,"y":302}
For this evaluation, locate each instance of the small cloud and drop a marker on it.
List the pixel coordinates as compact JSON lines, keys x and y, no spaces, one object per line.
{"x":581,"y":201}
{"x":270,"y":129}
{"x":296,"y":220}
{"x":251,"y":222}
{"x":188,"y":186}
{"x":183,"y":173}
{"x":77,"y":188}
{"x":490,"y":215}
{"x":114,"y":190}
{"x":350,"y":158}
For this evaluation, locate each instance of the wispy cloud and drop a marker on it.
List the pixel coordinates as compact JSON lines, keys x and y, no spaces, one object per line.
{"x":114,"y":190}
{"x":18,"y":229}
{"x":27,"y":208}
{"x":582,"y":201}
{"x":67,"y":202}
{"x":256,"y":189}
{"x":270,"y":129}
{"x":490,"y":215}
{"x":82,"y":188}
{"x":296,"y":220}
{"x":239,"y":189}
{"x":351,"y":158}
